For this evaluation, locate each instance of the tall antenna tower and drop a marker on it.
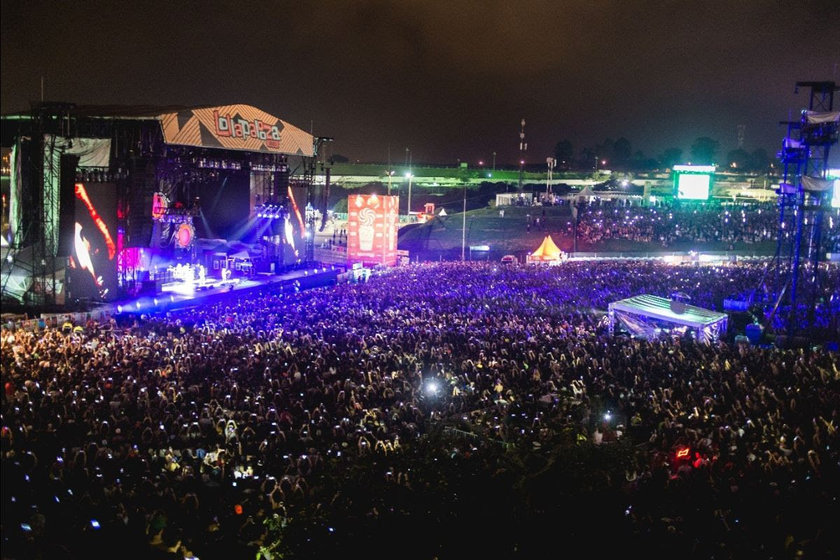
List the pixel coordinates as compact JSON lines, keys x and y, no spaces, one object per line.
{"x":741,"y":129}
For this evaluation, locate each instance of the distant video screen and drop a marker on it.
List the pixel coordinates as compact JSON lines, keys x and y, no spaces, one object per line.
{"x":93,"y":264}
{"x":693,"y":186}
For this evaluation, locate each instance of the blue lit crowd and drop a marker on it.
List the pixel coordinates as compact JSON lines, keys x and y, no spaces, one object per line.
{"x":728,"y":225}
{"x":443,"y":410}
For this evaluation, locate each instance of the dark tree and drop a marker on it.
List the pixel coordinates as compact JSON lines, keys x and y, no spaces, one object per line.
{"x":606,"y":151}
{"x":622,"y":151}
{"x":739,"y":159}
{"x":759,"y":160}
{"x":564,"y":153}
{"x":587,"y":158}
{"x":671,"y":157}
{"x":704,"y":151}
{"x":641,"y":162}
{"x":338,"y":158}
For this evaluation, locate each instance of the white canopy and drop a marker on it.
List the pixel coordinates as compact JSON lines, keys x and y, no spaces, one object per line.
{"x":636,"y":313}
{"x":820,"y":117}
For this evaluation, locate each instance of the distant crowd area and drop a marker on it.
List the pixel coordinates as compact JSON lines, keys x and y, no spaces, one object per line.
{"x":437,"y":410}
{"x":670,"y":223}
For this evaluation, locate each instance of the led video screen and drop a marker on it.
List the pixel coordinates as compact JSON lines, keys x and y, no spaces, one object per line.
{"x":693,"y":186}
{"x":93,"y":262}
{"x":372,"y":229}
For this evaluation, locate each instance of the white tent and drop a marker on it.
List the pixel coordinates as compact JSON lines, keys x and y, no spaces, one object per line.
{"x":640,"y":315}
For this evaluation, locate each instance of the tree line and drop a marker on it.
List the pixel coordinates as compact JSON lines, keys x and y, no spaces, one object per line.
{"x":619,"y":154}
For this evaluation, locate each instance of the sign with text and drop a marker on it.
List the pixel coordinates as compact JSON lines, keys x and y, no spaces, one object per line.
{"x":235,"y":127}
{"x":372,"y":229}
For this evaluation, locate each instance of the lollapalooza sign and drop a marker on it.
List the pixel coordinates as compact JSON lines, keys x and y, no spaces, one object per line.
{"x":235,"y":127}
{"x":227,"y":126}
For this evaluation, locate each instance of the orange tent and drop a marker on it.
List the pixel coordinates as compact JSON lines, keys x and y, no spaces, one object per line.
{"x":547,"y":251}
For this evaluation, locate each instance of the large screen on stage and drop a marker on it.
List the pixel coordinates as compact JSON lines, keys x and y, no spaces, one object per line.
{"x":693,"y":182}
{"x":372,"y":229}
{"x":294,"y":225}
{"x":93,"y":260}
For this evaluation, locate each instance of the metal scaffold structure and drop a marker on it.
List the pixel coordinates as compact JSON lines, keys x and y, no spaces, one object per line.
{"x":35,"y":265}
{"x":804,"y":197}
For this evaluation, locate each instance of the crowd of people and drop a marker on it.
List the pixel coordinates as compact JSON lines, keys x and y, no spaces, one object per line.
{"x":437,"y":410}
{"x":730,"y":225}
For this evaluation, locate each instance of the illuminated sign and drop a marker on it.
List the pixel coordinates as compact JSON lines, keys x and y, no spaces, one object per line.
{"x":159,"y":205}
{"x":240,"y":128}
{"x":372,"y":229}
{"x":235,"y":127}
{"x":184,"y":236}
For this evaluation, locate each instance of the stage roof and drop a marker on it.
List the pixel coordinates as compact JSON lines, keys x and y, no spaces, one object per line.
{"x":230,"y":127}
{"x":660,"y":308}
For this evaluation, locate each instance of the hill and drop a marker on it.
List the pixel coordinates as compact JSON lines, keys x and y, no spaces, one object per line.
{"x":441,"y":238}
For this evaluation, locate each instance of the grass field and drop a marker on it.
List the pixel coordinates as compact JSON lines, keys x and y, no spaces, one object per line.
{"x":441,"y":238}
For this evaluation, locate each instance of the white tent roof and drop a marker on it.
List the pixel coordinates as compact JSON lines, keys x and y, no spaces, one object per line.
{"x":660,"y":308}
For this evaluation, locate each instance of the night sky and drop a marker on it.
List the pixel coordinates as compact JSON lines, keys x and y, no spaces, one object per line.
{"x":449,"y":80}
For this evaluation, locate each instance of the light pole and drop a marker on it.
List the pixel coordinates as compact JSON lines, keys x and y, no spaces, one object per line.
{"x":464,"y":224}
{"x":550,"y":162}
{"x":523,"y":147}
{"x":408,"y":204}
{"x":494,"y":162}
{"x":390,"y":173}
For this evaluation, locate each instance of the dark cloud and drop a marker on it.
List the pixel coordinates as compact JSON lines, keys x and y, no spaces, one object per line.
{"x":449,"y":80}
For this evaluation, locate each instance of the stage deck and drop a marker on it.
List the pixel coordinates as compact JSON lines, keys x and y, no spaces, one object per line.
{"x":182,"y":294}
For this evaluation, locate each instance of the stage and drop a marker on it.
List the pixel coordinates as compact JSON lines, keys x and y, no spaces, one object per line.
{"x":176,"y":295}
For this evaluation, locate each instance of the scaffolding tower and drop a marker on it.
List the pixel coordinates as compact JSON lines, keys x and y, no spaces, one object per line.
{"x":35,"y":257}
{"x":803,"y":197}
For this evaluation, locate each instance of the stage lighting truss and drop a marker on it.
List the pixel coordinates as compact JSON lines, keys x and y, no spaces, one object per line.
{"x":178,"y":215}
{"x":280,"y":168}
{"x":270,"y":211}
{"x":205,"y":163}
{"x":100,"y":174}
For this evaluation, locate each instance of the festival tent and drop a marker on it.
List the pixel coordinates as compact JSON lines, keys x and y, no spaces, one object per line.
{"x":547,"y":252}
{"x":586,"y":192}
{"x":642,"y":314}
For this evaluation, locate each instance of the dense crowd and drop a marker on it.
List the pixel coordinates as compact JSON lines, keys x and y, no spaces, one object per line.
{"x":442,"y":410}
{"x":733,"y":225}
